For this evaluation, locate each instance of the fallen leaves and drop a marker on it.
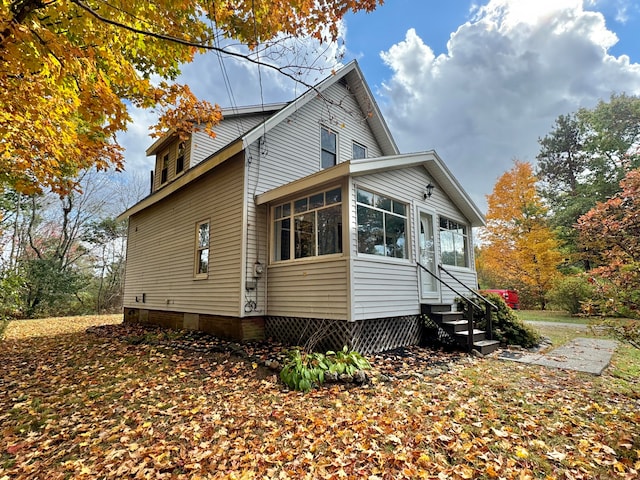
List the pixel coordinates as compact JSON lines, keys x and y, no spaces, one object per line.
{"x":84,"y":406}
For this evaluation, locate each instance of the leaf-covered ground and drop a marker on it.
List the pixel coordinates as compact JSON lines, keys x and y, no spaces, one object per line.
{"x":78,"y":405}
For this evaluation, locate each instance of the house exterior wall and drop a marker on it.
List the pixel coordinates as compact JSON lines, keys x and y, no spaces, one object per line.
{"x":162,"y":246}
{"x":384,"y":287}
{"x":228,"y":130}
{"x":291,"y":151}
{"x":310,"y":289}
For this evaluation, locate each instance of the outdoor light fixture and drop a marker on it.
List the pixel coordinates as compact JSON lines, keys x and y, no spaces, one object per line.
{"x":428,"y":190}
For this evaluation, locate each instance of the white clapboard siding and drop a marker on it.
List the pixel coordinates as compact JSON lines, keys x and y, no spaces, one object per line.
{"x":228,"y":130}
{"x":401,"y":277}
{"x":290,"y":151}
{"x":162,"y":243}
{"x":309,"y":289}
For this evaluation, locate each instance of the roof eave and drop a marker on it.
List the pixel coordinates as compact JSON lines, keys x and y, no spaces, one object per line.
{"x":187,"y":177}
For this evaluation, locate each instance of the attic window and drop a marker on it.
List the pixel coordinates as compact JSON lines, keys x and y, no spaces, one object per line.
{"x":165,"y":169}
{"x":359,"y":151}
{"x":180,"y":158}
{"x":329,"y":143}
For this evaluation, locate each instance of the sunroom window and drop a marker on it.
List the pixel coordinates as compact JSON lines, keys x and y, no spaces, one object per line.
{"x":382,"y":225}
{"x":453,"y":243}
{"x":309,"y":226}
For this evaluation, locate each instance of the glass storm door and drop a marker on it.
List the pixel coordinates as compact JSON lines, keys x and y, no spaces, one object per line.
{"x":428,"y":284}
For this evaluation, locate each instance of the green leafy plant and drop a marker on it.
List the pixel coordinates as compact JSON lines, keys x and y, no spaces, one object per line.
{"x":303,"y":371}
{"x":346,"y":361}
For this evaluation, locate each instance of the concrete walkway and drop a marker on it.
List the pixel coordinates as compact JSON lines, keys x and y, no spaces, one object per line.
{"x":588,"y":355}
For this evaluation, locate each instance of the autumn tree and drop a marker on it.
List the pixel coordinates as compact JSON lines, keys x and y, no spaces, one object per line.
{"x":582,"y":161}
{"x":64,"y":254}
{"x":70,"y":68}
{"x":517,"y":244}
{"x":610,"y":234}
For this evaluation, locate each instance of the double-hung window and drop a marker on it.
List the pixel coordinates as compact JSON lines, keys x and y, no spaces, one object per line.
{"x":329,"y":148}
{"x":203,"y":235}
{"x":382,"y":225}
{"x":164,"y":172}
{"x":453,"y":243}
{"x":309,"y":226}
{"x":180,"y":158}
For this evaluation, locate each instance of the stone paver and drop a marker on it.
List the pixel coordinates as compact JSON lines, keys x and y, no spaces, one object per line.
{"x":588,"y":355}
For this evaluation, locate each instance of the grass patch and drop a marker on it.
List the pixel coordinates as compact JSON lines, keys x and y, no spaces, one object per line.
{"x":550,"y":316}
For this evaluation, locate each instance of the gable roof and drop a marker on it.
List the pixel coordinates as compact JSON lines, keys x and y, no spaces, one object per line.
{"x":278,"y":112}
{"x":429,"y":160}
{"x":355,"y":79}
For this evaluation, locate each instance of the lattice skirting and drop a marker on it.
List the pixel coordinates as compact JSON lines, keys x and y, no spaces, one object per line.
{"x":364,"y":336}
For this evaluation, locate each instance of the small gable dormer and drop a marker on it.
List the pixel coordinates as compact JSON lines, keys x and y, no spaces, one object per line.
{"x":173,"y":156}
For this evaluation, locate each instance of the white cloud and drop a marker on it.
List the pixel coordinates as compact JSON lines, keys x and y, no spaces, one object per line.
{"x":507,"y":74}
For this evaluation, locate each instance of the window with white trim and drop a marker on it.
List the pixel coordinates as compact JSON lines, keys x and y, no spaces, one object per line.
{"x":358,"y":151}
{"x":203,"y":235}
{"x":454,"y":243}
{"x":309,"y":226}
{"x":382,"y":225}
{"x":328,"y":147}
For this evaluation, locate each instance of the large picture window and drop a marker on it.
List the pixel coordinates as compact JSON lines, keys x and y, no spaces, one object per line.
{"x":453,"y":243}
{"x":382,"y":225}
{"x":202,"y":249}
{"x":309,"y":226}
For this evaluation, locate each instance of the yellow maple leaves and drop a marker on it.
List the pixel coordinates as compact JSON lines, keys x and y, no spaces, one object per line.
{"x":70,"y":69}
{"x":518,"y":245}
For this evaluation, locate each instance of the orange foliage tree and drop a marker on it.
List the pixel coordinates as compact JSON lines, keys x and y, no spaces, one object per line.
{"x":70,"y":68}
{"x":518,"y":247}
{"x":610,"y":234}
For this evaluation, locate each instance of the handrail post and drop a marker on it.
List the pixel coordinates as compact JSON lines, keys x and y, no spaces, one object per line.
{"x":470,"y":326}
{"x":487,"y":317}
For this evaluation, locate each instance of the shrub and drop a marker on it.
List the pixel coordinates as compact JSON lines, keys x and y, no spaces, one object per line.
{"x":571,"y":293}
{"x":507,"y":327}
{"x":304,"y":371}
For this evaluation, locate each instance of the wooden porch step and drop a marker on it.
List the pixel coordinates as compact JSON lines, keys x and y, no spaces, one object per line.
{"x":478,"y":336}
{"x":435,"y":307}
{"x":455,"y":326}
{"x":485,"y":347}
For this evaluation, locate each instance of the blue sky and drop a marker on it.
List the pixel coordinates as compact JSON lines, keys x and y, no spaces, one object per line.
{"x":479,"y":82}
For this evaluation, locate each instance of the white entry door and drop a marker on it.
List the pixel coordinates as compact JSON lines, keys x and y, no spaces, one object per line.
{"x":427,"y":245}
